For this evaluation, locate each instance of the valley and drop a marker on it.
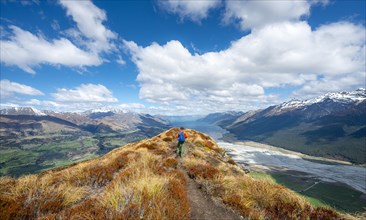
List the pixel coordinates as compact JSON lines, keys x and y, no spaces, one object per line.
{"x":183,"y":109}
{"x":333,"y":183}
{"x":314,"y":155}
{"x":32,"y":141}
{"x":322,"y":181}
{"x":36,"y":154}
{"x":332,"y":125}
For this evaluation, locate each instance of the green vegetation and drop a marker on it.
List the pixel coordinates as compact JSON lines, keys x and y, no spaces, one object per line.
{"x":130,"y":182}
{"x":345,"y":199}
{"x":34,"y":154}
{"x":262,"y":176}
{"x":316,"y":202}
{"x":322,"y":194}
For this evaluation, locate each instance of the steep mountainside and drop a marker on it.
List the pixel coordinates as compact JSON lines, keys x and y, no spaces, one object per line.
{"x":33,"y":140}
{"x":332,"y":125}
{"x":145,"y":180}
{"x":220,"y":117}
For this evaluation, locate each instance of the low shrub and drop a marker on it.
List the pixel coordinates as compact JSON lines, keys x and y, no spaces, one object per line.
{"x":167,"y":139}
{"x":159,"y":152}
{"x":89,"y":209}
{"x":170,"y":162}
{"x":231,"y":161}
{"x":149,"y":146}
{"x":178,"y":175}
{"x":203,"y":171}
{"x":323,"y":213}
{"x":177,"y":206}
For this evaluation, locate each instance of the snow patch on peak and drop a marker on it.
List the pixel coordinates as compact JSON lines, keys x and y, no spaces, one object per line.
{"x":354,"y":97}
{"x":293,"y":103}
{"x":22,"y":111}
{"x":37,"y":112}
{"x":107,"y":109}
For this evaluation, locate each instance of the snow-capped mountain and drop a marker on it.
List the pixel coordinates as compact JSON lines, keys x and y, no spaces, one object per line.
{"x":335,"y":102}
{"x":107,"y":109}
{"x":353,"y":97}
{"x":21,"y":111}
{"x":332,"y":125}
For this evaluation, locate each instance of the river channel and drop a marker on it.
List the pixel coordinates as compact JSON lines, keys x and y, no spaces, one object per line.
{"x":354,"y":176}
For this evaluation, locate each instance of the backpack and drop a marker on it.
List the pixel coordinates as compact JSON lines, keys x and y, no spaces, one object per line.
{"x":181,"y":137}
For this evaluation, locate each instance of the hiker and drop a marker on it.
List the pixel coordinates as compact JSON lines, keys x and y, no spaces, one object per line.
{"x":181,"y":138}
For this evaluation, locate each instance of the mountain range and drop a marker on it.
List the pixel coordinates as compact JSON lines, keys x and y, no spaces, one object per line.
{"x":33,"y":140}
{"x":332,"y":125}
{"x":90,"y":121}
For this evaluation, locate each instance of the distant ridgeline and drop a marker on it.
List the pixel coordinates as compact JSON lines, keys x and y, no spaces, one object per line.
{"x":332,"y":125}
{"x":32,"y":140}
{"x":145,"y":180}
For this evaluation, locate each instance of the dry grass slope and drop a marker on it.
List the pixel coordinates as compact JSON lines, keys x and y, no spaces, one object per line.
{"x":253,"y":199}
{"x":144,"y":180}
{"x":137,"y":181}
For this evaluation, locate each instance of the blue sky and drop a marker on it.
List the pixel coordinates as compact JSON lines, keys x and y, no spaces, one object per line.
{"x":178,"y":57}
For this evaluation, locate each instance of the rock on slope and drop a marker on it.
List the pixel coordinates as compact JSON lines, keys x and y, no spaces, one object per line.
{"x":145,"y":180}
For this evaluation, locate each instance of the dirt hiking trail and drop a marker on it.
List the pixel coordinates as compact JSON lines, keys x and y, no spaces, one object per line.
{"x":203,"y":206}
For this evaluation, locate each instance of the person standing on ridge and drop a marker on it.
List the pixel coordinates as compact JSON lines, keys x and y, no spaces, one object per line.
{"x":181,"y":139}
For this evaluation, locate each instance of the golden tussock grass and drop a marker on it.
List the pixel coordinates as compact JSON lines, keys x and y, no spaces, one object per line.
{"x":253,"y":199}
{"x":143,"y":181}
{"x":33,"y":197}
{"x":203,"y":171}
{"x":170,"y":162}
{"x":137,"y":181}
{"x":147,"y":193}
{"x":198,"y":154}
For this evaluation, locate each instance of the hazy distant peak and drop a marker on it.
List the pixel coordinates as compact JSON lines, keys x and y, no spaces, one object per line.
{"x":107,"y":109}
{"x":21,"y":111}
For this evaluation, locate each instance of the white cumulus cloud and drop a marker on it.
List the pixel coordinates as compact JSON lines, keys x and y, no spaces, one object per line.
{"x":27,"y":50}
{"x":8,"y":89}
{"x":85,"y":93}
{"x":275,"y":56}
{"x":82,"y":47}
{"x":248,"y":14}
{"x":192,"y":10}
{"x":253,"y":14}
{"x":89,"y":20}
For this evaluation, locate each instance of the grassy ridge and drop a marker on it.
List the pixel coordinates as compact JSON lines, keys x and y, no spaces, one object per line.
{"x":133,"y":182}
{"x":254,"y":198}
{"x":145,"y":181}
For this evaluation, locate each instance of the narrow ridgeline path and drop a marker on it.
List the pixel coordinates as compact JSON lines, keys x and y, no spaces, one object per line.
{"x":202,"y":205}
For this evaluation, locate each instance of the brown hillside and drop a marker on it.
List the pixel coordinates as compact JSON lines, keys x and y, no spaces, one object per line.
{"x":145,"y":180}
